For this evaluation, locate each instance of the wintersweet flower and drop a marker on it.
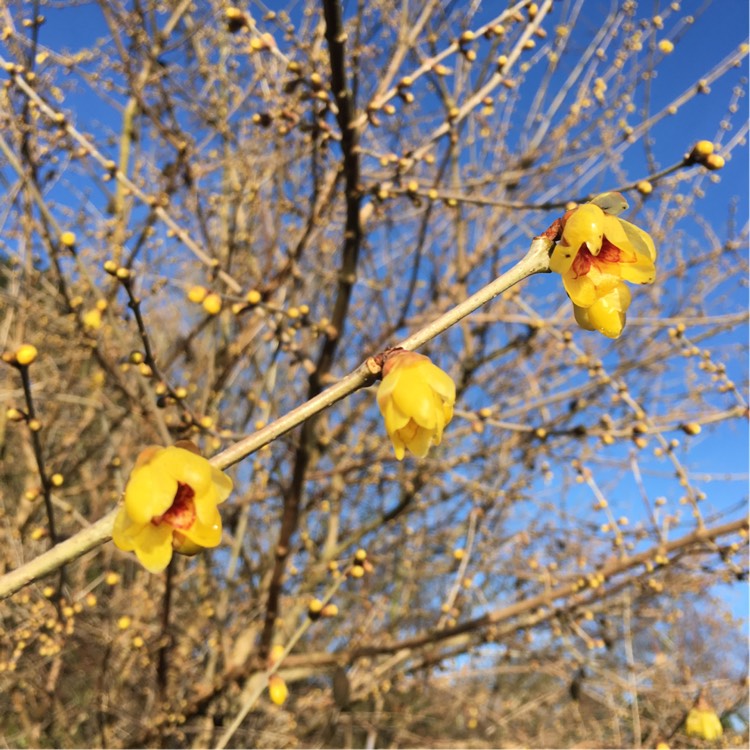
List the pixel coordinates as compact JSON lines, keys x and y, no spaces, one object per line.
{"x":170,"y":505}
{"x":596,"y":254}
{"x":703,"y":722}
{"x":416,"y":400}
{"x":277,"y":689}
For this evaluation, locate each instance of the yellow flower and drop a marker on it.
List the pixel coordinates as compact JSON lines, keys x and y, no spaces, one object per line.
{"x":703,"y":722}
{"x":277,"y":689}
{"x":212,"y":304}
{"x":665,"y":46}
{"x":197,"y":294}
{"x":92,"y":319}
{"x":596,"y":254}
{"x":170,"y":504}
{"x":416,"y":400}
{"x":26,"y":354}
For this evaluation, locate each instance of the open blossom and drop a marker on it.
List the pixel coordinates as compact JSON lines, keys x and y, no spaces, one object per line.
{"x":703,"y":722}
{"x":596,"y":254}
{"x":170,"y":505}
{"x":416,"y":400}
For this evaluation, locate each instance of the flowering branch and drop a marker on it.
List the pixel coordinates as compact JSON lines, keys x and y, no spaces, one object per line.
{"x":535,"y":261}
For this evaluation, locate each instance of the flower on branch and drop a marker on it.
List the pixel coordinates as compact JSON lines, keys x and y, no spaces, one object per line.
{"x":171,"y":501}
{"x":703,"y":722}
{"x":277,"y":689}
{"x":416,"y":400}
{"x":596,"y":254}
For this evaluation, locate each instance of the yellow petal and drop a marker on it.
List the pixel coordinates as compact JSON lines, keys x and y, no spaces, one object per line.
{"x":394,"y":418}
{"x":149,"y":493}
{"x":122,"y":530}
{"x":615,"y":233}
{"x":414,"y":397}
{"x":399,"y":447}
{"x":205,"y":534}
{"x":703,"y":723}
{"x":606,"y":315}
{"x":153,"y":547}
{"x":641,"y":241}
{"x":562,"y":258}
{"x":186,"y":467}
{"x":442,"y":384}
{"x":580,"y":289}
{"x":184,"y":546}
{"x":420,"y":442}
{"x":224,"y":484}
{"x":585,"y":226}
{"x":642,"y":271}
{"x":387,"y":386}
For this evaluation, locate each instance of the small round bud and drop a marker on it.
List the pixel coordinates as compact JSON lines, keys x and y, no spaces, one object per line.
{"x":197,"y":294}
{"x":691,"y":428}
{"x":122,"y":273}
{"x":330,"y":610}
{"x":458,"y":553}
{"x":357,"y":571}
{"x":68,"y":239}
{"x":212,"y":304}
{"x":14,"y":415}
{"x":57,"y":480}
{"x":665,"y":46}
{"x":253,"y":297}
{"x":26,"y":354}
{"x":277,"y":690}
{"x":314,"y":608}
{"x":360,"y":556}
{"x":124,"y":622}
{"x":235,"y":18}
{"x":110,"y":267}
{"x":701,"y":150}
{"x":644,"y":187}
{"x":92,"y":319}
{"x":713,"y":162}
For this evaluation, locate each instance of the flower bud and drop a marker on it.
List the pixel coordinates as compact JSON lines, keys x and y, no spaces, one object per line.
{"x":26,"y":354}
{"x":277,"y":690}
{"x":68,"y":239}
{"x":713,"y":162}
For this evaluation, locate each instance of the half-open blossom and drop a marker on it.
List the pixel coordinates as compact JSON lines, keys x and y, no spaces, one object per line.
{"x":703,"y":722}
{"x":596,"y":254}
{"x":170,"y":505}
{"x":416,"y":400}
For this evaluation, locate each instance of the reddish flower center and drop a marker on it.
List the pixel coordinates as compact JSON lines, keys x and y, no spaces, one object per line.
{"x":584,"y":259}
{"x":181,"y":514}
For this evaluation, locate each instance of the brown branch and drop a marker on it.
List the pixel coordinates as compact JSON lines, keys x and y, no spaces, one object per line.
{"x":335,"y":37}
